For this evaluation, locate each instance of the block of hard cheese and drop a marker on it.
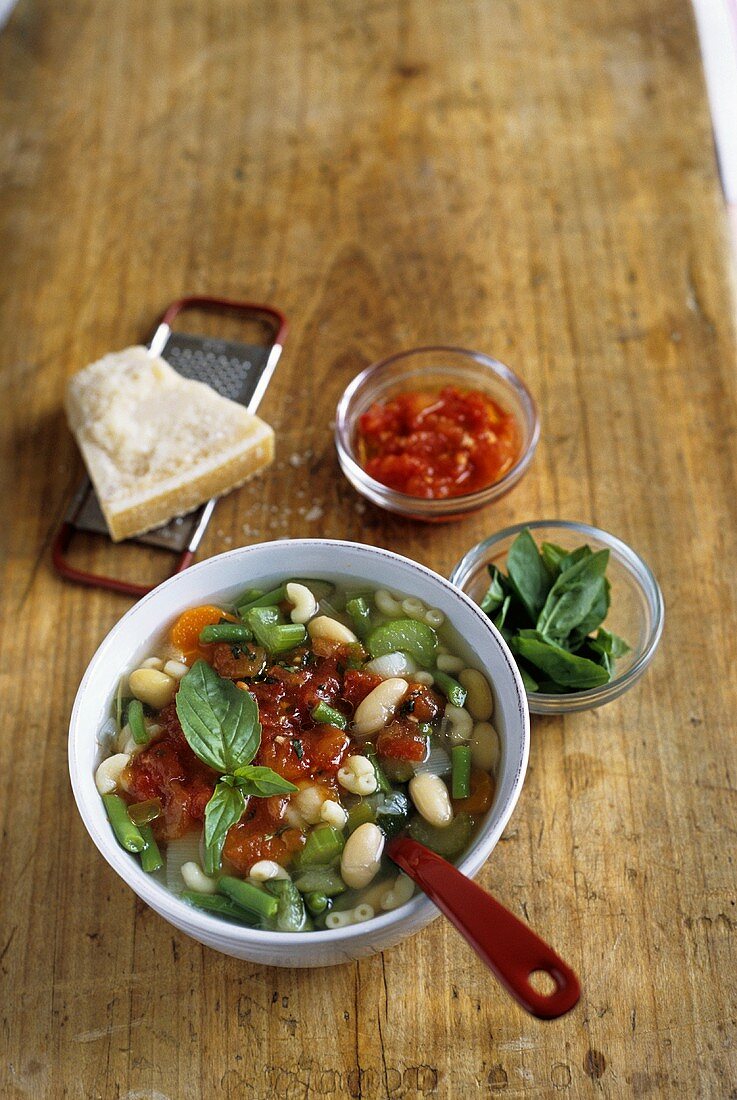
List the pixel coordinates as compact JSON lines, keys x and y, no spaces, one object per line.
{"x":156,"y":445}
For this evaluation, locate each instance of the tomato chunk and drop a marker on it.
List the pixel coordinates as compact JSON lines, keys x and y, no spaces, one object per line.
{"x":402,"y":741}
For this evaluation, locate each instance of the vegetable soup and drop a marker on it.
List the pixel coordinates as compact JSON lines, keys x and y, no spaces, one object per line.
{"x":259,"y":760}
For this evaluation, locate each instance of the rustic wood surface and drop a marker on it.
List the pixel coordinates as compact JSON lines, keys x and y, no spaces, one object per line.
{"x":534,"y":180}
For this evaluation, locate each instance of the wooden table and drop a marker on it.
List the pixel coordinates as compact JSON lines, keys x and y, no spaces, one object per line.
{"x":534,"y":180}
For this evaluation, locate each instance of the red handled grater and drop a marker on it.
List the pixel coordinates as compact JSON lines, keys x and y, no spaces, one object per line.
{"x":237,"y":370}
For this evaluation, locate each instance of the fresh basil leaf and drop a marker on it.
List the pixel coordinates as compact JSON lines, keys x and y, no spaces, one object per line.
{"x":549,"y":687}
{"x":495,"y":592}
{"x":595,"y":617}
{"x":552,"y":555}
{"x":262,"y":782}
{"x":605,"y":649}
{"x":574,"y":557}
{"x":572,"y":596}
{"x":528,"y":682}
{"x":501,"y":615}
{"x":527,"y":574}
{"x":224,"y":809}
{"x":610,"y":643}
{"x":564,"y":668}
{"x":220,"y":721}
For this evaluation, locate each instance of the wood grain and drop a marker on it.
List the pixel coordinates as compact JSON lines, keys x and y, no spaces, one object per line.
{"x":534,"y":180}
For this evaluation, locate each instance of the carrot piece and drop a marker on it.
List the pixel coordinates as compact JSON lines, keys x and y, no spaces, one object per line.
{"x":185,"y":633}
{"x":481,"y":796}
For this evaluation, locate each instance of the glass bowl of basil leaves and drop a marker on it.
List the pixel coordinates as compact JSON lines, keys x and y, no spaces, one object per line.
{"x":580,"y":610}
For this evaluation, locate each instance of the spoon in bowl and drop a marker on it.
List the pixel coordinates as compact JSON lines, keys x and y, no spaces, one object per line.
{"x":511,"y":950}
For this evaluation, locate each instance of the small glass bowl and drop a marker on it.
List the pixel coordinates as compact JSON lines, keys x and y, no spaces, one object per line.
{"x":636,"y":614}
{"x":433,"y":368}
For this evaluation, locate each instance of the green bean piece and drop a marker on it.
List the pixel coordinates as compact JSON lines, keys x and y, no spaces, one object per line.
{"x":275,"y":636}
{"x":143,"y":813}
{"x":266,"y":599}
{"x":316,"y":903}
{"x":450,"y":688}
{"x":360,"y":613}
{"x":382,"y":783}
{"x":150,"y":856}
{"x":323,"y":845}
{"x":216,"y":903}
{"x":460,"y":758}
{"x":136,"y":722}
{"x":359,"y":815}
{"x":405,"y":636}
{"x":320,"y":880}
{"x":127,"y":834}
{"x":290,"y":914}
{"x":248,"y":896}
{"x":225,"y":632}
{"x":326,"y":715}
{"x":248,"y":597}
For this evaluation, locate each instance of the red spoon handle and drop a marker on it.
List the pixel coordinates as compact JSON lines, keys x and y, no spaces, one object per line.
{"x":508,"y":947}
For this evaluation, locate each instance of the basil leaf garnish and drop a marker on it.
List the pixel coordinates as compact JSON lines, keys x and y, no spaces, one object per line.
{"x":224,"y":809}
{"x":260,"y":781}
{"x":219,"y":720}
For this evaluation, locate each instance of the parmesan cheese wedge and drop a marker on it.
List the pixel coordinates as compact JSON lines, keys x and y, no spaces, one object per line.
{"x":155,"y":444}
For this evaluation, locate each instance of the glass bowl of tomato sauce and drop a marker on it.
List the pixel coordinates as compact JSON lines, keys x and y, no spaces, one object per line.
{"x":435,"y":433}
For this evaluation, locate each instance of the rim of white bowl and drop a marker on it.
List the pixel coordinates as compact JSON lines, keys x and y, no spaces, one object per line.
{"x":190,"y":920}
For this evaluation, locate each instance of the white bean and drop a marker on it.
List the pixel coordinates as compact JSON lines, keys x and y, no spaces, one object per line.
{"x":176,"y":669}
{"x":107,"y":776}
{"x":331,"y":629}
{"x":358,"y":775}
{"x":123,"y":738}
{"x":479,"y":700}
{"x":361,"y":856}
{"x":374,"y":712}
{"x":304,"y":604}
{"x":387,"y":604}
{"x":196,"y":879}
{"x":485,"y":747}
{"x":399,"y":893}
{"x":391,"y":665}
{"x":265,"y":870}
{"x":332,"y":813}
{"x":152,"y":687}
{"x":460,"y":722}
{"x":425,"y":678}
{"x":153,"y":662}
{"x":430,"y":796}
{"x":446,"y":662}
{"x":309,"y":801}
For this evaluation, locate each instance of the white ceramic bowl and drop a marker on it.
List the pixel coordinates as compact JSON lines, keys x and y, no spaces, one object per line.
{"x":223,"y":577}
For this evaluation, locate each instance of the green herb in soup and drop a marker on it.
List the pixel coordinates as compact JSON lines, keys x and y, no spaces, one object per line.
{"x":549,"y":607}
{"x":268,"y":749}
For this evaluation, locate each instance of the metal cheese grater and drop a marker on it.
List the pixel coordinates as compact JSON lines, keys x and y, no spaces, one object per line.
{"x":238,"y":371}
